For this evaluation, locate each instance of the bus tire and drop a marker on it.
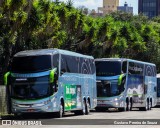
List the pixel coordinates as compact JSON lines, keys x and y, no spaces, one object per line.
{"x":87,"y":108}
{"x":127,"y":105}
{"x":150,"y":106}
{"x":145,"y":108}
{"x":83,"y":111}
{"x":131,"y":103}
{"x":61,"y":111}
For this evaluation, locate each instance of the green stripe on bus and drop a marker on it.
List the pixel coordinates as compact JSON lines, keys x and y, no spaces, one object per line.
{"x":134,"y":94}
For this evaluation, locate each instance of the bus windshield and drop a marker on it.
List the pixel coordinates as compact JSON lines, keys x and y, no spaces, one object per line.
{"x":108,"y":68}
{"x":29,"y":64}
{"x":158,"y":87}
{"x":107,"y":89}
{"x":32,"y":88}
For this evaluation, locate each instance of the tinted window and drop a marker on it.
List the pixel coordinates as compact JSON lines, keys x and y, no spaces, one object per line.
{"x":32,"y":88}
{"x":108,"y":68}
{"x":31,"y":63}
{"x":72,"y":64}
{"x":56,"y":60}
{"x":87,"y":66}
{"x":150,"y":70}
{"x":135,"y":68}
{"x":107,"y":89}
{"x":124,"y":66}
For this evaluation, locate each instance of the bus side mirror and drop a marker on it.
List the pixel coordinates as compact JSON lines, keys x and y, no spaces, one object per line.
{"x":121,"y":82}
{"x":52,"y":75}
{"x":6,"y":78}
{"x":121,"y":79}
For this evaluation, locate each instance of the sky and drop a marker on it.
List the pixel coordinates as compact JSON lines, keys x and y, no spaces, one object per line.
{"x":94,"y":4}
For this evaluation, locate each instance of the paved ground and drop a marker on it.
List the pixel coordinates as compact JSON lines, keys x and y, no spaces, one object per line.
{"x":111,"y":118}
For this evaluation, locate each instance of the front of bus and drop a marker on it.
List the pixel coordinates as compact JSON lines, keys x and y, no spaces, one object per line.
{"x":110,"y":83}
{"x":31,"y":83}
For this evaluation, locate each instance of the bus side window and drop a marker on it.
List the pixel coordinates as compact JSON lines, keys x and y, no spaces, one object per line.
{"x":55,"y":60}
{"x":124,"y":66}
{"x":63,"y":65}
{"x":55,"y":65}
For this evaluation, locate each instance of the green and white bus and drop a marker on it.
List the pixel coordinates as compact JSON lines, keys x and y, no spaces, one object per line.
{"x":125,"y":84}
{"x":51,"y":80}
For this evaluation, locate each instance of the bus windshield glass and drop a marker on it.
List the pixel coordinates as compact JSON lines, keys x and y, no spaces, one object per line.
{"x":158,"y":87}
{"x":107,"y":89}
{"x":31,"y":63}
{"x":32,"y":88}
{"x":108,"y":68}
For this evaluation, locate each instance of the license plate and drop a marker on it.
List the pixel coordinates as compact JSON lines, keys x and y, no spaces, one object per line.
{"x":30,"y":110}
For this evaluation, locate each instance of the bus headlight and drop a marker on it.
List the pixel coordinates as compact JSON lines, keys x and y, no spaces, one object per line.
{"x":116,"y":99}
{"x":42,"y":103}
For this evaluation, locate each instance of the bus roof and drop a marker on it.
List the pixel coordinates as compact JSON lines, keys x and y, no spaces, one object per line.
{"x":122,"y":59}
{"x":49,"y":52}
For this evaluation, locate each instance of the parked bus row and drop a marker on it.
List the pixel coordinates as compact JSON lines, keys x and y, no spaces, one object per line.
{"x":54,"y":80}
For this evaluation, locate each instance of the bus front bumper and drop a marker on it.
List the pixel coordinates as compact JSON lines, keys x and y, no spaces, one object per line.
{"x":21,"y":109}
{"x":110,"y":104}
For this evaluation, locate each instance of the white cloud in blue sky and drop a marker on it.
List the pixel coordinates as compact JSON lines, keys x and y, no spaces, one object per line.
{"x":94,"y":4}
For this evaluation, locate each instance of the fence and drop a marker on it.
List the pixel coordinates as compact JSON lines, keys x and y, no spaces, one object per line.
{"x":3,"y":100}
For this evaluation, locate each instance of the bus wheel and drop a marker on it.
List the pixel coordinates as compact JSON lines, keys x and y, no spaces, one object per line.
{"x":84,"y":108}
{"x":128,"y":106}
{"x":61,"y":111}
{"x":146,"y":106}
{"x":87,"y":108}
{"x":150,"y":104}
{"x":83,"y":111}
{"x":123,"y":109}
{"x":131,"y":105}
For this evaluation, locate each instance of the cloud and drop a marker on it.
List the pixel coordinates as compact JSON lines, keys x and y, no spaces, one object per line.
{"x":91,"y":4}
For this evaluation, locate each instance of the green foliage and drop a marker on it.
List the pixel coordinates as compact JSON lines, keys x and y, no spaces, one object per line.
{"x":37,"y":24}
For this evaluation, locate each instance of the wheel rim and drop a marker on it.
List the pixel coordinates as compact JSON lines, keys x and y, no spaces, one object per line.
{"x":84,"y":109}
{"x":129,"y":106}
{"x":125,"y":106}
{"x":88,"y":108}
{"x":149,"y":106}
{"x":61,"y":111}
{"x":146,"y":105}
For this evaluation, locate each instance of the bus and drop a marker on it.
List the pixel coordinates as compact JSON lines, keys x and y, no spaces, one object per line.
{"x":158,"y":89}
{"x":51,"y":80}
{"x":125,"y":84}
